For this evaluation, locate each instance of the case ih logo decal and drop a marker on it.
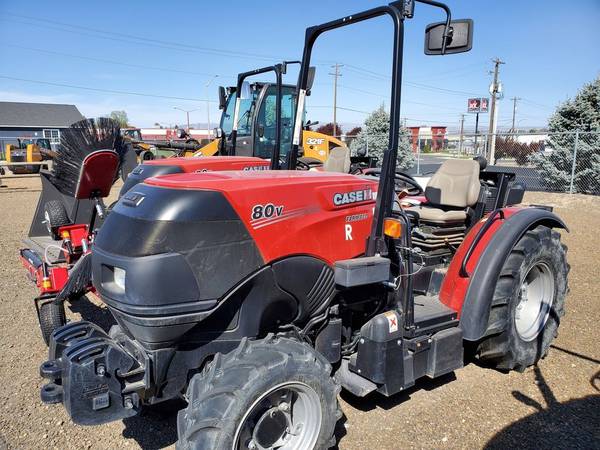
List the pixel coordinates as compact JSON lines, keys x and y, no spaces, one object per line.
{"x":346,"y":198}
{"x":256,"y":168}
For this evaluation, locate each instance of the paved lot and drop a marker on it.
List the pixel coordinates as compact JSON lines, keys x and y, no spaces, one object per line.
{"x":555,"y":405}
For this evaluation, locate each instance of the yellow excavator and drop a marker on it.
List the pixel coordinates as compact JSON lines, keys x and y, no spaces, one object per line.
{"x":256,"y":135}
{"x":257,"y":123}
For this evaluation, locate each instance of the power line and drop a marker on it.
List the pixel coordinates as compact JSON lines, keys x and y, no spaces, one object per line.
{"x":123,"y":37}
{"x":539,"y":105}
{"x":111,"y":91}
{"x":141,"y":39}
{"x":110,"y":61}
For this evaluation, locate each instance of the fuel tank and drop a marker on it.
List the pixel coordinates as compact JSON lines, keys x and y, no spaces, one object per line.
{"x":174,"y":247}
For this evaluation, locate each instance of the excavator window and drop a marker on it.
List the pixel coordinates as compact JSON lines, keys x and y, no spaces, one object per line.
{"x":266,"y":122}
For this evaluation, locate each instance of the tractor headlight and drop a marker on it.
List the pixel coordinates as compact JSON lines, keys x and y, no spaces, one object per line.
{"x":119,"y":277}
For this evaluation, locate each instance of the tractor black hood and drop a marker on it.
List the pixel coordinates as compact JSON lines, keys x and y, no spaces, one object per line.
{"x":143,"y":171}
{"x":164,"y":257}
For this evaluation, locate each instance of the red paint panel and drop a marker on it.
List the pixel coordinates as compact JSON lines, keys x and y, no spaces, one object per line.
{"x":454,"y":287}
{"x":98,"y":172}
{"x":77,"y":233}
{"x":213,"y":163}
{"x":58,"y":277}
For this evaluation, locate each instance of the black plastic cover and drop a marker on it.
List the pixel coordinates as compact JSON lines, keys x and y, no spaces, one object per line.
{"x":143,"y":171}
{"x":180,"y":250}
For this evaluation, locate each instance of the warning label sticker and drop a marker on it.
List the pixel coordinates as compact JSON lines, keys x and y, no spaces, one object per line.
{"x":392,"y":321}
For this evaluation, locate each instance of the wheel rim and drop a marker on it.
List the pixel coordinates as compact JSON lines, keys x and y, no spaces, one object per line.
{"x":287,"y":417}
{"x":537,"y":295}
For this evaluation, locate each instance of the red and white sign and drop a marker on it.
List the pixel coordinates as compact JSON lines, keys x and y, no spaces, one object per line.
{"x":478,"y":105}
{"x":392,"y":319}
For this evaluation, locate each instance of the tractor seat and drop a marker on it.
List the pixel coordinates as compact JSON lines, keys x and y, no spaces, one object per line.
{"x":450,"y":192}
{"x":338,"y":160}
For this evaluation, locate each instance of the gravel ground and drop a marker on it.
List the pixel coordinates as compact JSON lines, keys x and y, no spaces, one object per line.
{"x":554,"y":405}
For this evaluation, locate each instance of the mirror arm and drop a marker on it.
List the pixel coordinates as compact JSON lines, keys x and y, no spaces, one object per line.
{"x":285,"y":64}
{"x":447,"y":29}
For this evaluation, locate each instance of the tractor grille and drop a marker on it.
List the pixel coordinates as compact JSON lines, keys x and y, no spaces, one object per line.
{"x":322,"y":290}
{"x":18,"y":158}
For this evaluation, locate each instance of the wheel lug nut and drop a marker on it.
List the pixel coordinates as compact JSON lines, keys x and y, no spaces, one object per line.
{"x":283,"y":406}
{"x":251,"y":445}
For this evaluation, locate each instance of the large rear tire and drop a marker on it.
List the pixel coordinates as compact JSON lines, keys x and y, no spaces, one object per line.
{"x":271,"y":393}
{"x":528,"y":302}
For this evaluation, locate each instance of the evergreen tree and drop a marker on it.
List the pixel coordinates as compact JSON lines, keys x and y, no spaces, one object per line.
{"x":374,"y":138}
{"x":579,"y":114}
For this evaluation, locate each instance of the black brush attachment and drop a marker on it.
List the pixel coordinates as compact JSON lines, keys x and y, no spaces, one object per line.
{"x":77,"y":142}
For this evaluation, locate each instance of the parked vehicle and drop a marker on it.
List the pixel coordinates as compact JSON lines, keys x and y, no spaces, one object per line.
{"x":257,"y":295}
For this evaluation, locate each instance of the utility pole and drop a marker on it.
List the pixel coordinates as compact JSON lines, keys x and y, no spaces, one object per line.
{"x":460,"y":142}
{"x":494,"y":90}
{"x":335,"y":74}
{"x":514,"y":99}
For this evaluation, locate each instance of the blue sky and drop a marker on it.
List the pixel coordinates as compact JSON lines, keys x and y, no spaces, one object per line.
{"x":172,"y":49}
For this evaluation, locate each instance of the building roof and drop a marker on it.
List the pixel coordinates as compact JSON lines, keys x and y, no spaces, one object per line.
{"x":38,"y":115}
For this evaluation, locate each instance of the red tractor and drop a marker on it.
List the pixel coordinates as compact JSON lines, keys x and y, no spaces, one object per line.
{"x":220,"y":302}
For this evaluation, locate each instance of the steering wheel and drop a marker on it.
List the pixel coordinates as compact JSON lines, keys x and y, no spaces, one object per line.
{"x":402,"y":181}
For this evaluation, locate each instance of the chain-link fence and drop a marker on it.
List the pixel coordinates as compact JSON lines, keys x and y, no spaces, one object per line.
{"x":543,"y":161}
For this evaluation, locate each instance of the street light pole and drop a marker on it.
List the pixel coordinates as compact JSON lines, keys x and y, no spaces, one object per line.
{"x":208,"y":104}
{"x":187,"y":113}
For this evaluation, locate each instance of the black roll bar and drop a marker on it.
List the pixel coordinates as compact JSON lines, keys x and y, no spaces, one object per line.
{"x":279,"y":70}
{"x":397,"y":11}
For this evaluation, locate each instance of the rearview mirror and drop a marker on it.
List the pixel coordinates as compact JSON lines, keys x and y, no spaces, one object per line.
{"x":246,"y":92}
{"x":218,"y":132}
{"x":459,"y":39}
{"x":222,"y":97}
{"x":311,"y":78}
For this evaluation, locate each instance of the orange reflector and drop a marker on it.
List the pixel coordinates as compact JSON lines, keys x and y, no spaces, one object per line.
{"x":65,"y":234}
{"x":392,"y":228}
{"x":46,"y":283}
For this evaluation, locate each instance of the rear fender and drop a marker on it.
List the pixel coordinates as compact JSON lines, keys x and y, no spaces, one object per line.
{"x":470,"y":290}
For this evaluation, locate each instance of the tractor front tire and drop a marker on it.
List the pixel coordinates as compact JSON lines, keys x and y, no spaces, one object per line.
{"x":270,"y":393}
{"x":55,"y":216}
{"x":51,"y":316}
{"x":528,"y":302}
